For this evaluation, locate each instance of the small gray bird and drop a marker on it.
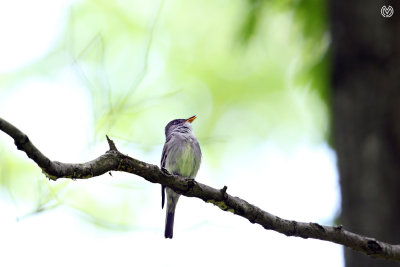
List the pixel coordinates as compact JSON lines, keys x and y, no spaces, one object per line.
{"x":181,"y":156}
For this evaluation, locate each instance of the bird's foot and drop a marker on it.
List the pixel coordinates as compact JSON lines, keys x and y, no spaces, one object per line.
{"x":191,"y":182}
{"x":164,"y":170}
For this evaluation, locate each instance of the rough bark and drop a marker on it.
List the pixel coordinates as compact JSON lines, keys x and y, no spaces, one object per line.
{"x":366,"y":112}
{"x":113,"y":160}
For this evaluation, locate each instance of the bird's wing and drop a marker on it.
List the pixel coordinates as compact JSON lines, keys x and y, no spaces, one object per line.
{"x":163,"y":161}
{"x":164,"y":155}
{"x":162,"y":196}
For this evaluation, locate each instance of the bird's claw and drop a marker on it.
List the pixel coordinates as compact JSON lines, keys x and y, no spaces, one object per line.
{"x":191,"y":182}
{"x":164,"y":170}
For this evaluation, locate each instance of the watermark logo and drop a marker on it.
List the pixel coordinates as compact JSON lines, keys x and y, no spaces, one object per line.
{"x":387,"y":12}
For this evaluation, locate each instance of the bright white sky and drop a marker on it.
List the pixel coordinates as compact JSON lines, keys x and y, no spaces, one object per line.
{"x":301,"y":184}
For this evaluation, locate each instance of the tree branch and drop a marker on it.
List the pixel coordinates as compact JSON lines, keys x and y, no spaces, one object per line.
{"x":113,"y":160}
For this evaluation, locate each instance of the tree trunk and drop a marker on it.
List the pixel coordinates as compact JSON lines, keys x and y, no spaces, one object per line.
{"x":366,"y":119}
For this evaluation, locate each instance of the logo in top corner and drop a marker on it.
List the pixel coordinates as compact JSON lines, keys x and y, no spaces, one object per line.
{"x":387,"y":12}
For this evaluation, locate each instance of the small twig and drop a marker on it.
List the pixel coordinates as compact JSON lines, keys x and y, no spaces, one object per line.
{"x":111,"y":144}
{"x":223,"y":192}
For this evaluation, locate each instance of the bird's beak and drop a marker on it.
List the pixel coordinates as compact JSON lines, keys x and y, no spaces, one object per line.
{"x":191,"y":119}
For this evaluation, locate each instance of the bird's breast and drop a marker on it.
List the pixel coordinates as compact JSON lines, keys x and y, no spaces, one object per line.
{"x":183,"y":157}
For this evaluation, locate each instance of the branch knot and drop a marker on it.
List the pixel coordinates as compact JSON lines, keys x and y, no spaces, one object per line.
{"x":223,"y":192}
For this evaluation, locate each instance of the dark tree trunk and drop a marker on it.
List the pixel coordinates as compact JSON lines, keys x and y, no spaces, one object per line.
{"x":366,"y":119}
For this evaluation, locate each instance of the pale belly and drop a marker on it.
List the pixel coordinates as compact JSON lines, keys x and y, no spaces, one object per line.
{"x":184,"y":159}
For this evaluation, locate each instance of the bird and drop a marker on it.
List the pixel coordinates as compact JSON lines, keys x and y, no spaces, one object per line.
{"x":181,"y":156}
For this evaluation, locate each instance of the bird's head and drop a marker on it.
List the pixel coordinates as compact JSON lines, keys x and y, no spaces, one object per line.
{"x":179,"y":123}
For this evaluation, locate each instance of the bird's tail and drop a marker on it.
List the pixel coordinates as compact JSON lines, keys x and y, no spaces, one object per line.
{"x":169,"y":224}
{"x":172,"y":200}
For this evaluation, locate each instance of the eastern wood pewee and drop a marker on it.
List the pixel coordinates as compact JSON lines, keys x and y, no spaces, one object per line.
{"x":181,"y":156}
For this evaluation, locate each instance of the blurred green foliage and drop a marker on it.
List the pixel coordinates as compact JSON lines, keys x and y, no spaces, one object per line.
{"x":253,"y":71}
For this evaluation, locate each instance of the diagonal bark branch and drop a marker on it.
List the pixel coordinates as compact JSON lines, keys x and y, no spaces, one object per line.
{"x":113,"y":160}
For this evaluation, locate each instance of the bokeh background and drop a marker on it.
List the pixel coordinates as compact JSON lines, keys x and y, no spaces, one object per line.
{"x":254,"y":72}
